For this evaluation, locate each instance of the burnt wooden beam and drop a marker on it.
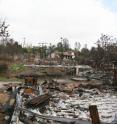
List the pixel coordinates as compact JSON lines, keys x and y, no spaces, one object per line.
{"x":38,"y":101}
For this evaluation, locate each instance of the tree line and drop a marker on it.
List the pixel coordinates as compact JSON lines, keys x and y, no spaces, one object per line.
{"x":105,"y":50}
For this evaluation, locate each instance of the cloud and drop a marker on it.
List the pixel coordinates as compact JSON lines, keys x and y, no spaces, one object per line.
{"x":48,"y":20}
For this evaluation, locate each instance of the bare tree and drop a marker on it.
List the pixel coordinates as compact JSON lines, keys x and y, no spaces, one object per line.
{"x":4,"y":34}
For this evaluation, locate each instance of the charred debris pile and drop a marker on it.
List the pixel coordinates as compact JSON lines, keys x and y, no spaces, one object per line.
{"x":58,"y":102}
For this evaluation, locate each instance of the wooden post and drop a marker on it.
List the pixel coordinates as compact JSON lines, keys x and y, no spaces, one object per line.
{"x":115,"y":77}
{"x":94,"y":114}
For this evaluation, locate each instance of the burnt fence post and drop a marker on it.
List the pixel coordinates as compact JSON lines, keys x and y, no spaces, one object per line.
{"x":94,"y":114}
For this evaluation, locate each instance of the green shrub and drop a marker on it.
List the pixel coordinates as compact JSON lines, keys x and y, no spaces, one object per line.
{"x":17,"y":67}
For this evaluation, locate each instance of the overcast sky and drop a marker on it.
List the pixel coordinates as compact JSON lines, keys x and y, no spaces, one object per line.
{"x":48,"y":20}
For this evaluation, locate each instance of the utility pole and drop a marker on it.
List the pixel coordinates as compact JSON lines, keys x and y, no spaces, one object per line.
{"x":24,"y":42}
{"x":62,"y":43}
{"x":42,"y":44}
{"x":50,"y":50}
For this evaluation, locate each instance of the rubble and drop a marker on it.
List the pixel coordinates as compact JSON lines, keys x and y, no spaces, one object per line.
{"x":2,"y":117}
{"x":76,"y":106}
{"x":53,"y":102}
{"x":63,"y":85}
{"x":4,"y":98}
